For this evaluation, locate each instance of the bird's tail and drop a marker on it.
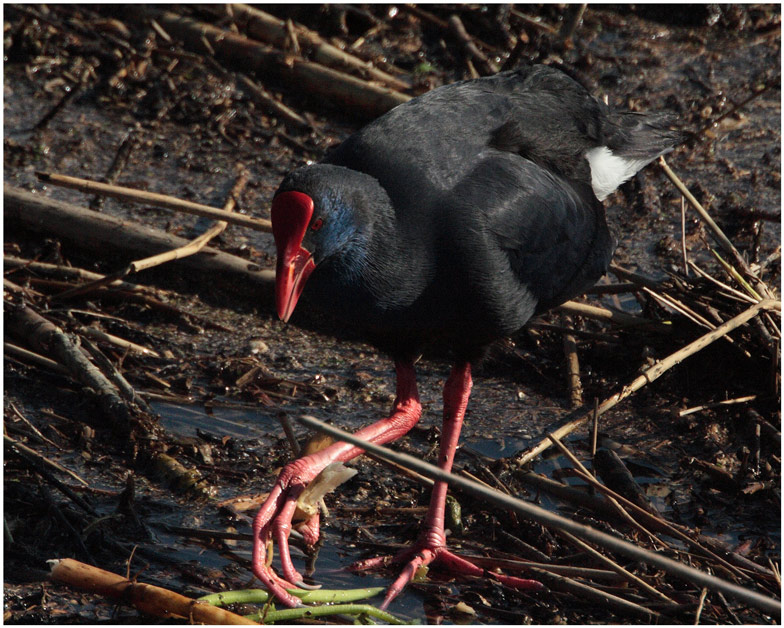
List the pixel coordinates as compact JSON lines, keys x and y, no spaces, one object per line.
{"x":642,"y":136}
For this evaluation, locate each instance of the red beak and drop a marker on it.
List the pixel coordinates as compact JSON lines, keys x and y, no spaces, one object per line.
{"x":291,"y":213}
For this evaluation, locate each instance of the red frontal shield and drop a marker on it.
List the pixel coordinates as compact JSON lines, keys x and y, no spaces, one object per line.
{"x":291,"y":214}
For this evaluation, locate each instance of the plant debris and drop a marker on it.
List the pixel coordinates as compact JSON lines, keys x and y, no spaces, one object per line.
{"x":148,"y":403}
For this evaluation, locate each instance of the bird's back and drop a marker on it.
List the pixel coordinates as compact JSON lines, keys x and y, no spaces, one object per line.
{"x":498,"y":181}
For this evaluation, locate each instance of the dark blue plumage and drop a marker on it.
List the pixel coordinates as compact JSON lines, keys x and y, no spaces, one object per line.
{"x":449,"y":221}
{"x":471,"y":209}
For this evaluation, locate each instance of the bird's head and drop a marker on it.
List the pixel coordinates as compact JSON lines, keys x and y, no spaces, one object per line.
{"x":317,"y":213}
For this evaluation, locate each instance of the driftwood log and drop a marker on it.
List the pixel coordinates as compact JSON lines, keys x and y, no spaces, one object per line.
{"x":100,"y":232}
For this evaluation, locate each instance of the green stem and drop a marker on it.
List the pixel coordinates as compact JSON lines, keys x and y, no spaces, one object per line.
{"x":319,"y":596}
{"x":290,"y":614}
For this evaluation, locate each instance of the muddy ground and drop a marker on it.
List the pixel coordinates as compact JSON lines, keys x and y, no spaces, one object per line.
{"x":106,"y":95}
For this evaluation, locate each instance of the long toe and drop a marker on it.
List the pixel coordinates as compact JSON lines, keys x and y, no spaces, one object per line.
{"x":422,"y":558}
{"x":458,"y":565}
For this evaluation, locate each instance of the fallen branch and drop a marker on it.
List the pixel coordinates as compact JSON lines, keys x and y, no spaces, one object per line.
{"x":44,"y":336}
{"x":147,"y":598}
{"x":317,"y":80}
{"x":270,"y":29}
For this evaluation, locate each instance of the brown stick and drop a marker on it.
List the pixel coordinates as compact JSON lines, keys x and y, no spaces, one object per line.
{"x":584,"y":591}
{"x":533,"y":22}
{"x":718,"y":234}
{"x":36,"y":358}
{"x":33,"y":455}
{"x":655,"y":521}
{"x":277,"y":108}
{"x":614,"y":473}
{"x":652,"y":592}
{"x":458,"y":30}
{"x":621,"y":318}
{"x":71,"y":272}
{"x":147,"y":598}
{"x":186,"y":250}
{"x":582,"y":471}
{"x":648,"y":376}
{"x":157,"y":200}
{"x":572,"y":369}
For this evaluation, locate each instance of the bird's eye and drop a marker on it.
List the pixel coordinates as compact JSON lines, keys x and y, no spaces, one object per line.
{"x":317,"y":224}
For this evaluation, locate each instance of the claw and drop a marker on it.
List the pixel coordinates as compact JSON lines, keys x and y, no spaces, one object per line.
{"x":307,"y":587}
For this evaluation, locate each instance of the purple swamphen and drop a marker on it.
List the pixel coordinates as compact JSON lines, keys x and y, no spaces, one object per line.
{"x":449,"y":221}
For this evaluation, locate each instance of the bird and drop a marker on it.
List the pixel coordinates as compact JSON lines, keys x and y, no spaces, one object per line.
{"x":448,"y":222}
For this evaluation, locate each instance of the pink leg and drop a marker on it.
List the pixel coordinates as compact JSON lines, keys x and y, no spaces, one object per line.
{"x":432,"y":538}
{"x":274,"y":517}
{"x":431,"y":546}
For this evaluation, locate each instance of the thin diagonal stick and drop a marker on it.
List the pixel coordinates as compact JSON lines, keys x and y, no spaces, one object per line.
{"x":649,"y":375}
{"x":540,"y":515}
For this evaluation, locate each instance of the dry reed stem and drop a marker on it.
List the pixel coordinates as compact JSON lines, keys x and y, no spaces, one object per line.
{"x":581,"y":590}
{"x":653,"y":592}
{"x":718,"y":404}
{"x":651,"y":374}
{"x":47,"y":337}
{"x":714,"y":228}
{"x":659,"y":522}
{"x":547,"y":518}
{"x":186,"y":250}
{"x":621,"y":318}
{"x":619,"y":509}
{"x":572,"y":368}
{"x":737,"y":293}
{"x":35,"y":358}
{"x":127,"y":345}
{"x":273,"y":30}
{"x":157,"y":200}
{"x":701,"y":605}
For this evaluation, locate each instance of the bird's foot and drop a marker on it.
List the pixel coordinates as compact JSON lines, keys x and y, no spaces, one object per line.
{"x":273,"y":523}
{"x":423,"y":554}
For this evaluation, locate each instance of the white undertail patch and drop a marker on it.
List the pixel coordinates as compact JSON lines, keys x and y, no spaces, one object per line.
{"x":608,"y":171}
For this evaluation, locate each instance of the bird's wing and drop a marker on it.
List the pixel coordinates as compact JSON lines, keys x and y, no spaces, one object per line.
{"x":432,"y":142}
{"x":552,"y":232}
